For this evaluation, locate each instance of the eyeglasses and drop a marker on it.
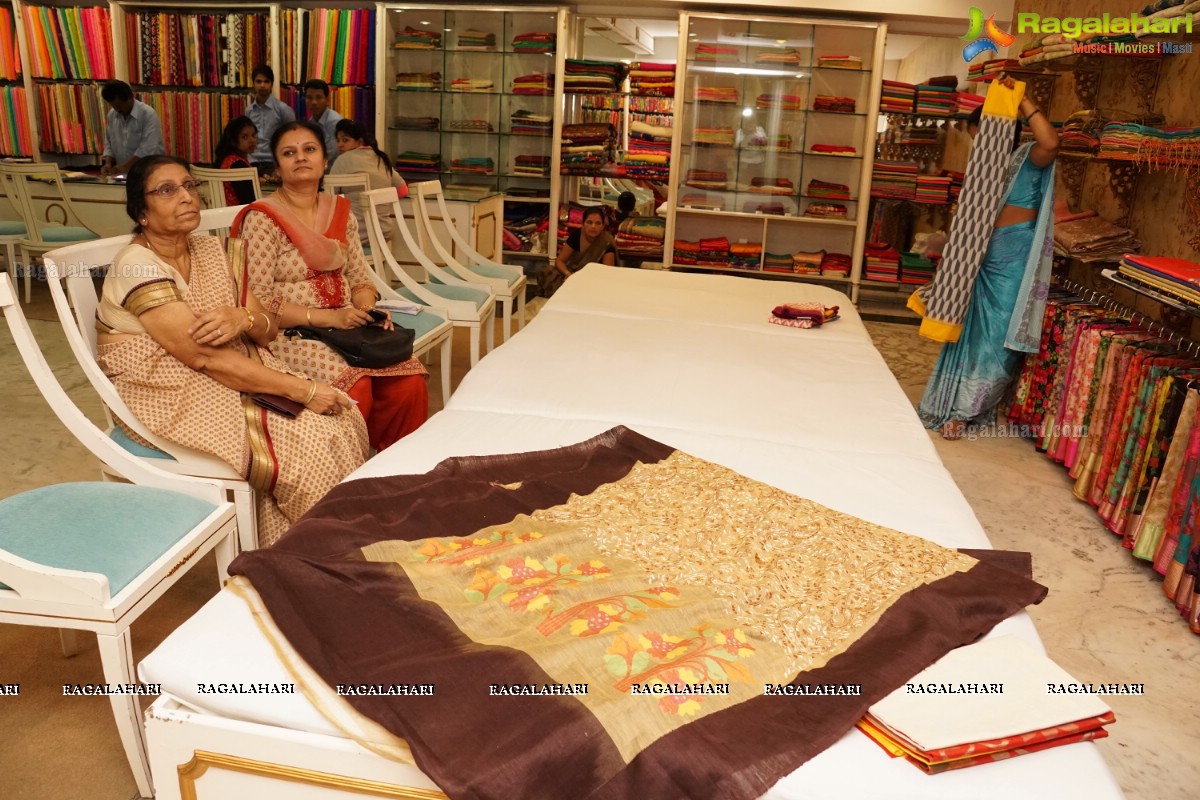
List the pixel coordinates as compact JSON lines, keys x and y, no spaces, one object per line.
{"x":169,"y":190}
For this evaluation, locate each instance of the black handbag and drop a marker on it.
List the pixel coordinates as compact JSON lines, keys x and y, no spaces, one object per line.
{"x":368,"y":347}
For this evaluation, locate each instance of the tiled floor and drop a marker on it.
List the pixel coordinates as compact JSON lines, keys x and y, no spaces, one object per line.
{"x":1105,"y":619}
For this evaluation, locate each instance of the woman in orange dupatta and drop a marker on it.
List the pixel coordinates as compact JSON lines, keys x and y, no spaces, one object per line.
{"x":305,"y":263}
{"x":187,"y":355}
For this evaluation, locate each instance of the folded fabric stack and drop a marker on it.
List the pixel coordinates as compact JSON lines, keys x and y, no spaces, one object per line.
{"x":835,"y":265}
{"x":474,"y":165}
{"x":840,"y":62}
{"x":535,"y":83}
{"x":416,"y":123}
{"x":714,"y":252}
{"x":649,"y":154}
{"x":965,"y":102}
{"x":826,"y":210}
{"x":938,"y":732}
{"x":586,"y":147}
{"x":700,"y":198}
{"x":1081,"y":132}
{"x":476,"y":40}
{"x":827,"y":191}
{"x":411,"y":161}
{"x":472,"y":85}
{"x":897,"y":97}
{"x":915,"y":269}
{"x":831,"y":103}
{"x":758,"y":140}
{"x":918,"y":136}
{"x":1171,"y":276}
{"x":1053,"y":46}
{"x":987,"y":70}
{"x":787,"y":102}
{"x":803,"y":315}
{"x":716,"y":52}
{"x":834,"y":150}
{"x":713,"y":137}
{"x":716,"y":94}
{"x":789,"y":58}
{"x":760,"y":207}
{"x":705,"y":179}
{"x":480,"y":125}
{"x":520,"y":225}
{"x":1134,"y":142}
{"x":537,"y":42}
{"x":532,"y":166}
{"x":804,"y":263}
{"x":685,"y":252}
{"x":1094,"y":239}
{"x":956,"y":182}
{"x":772,"y":186}
{"x":936,"y":101}
{"x":932,"y":188}
{"x":527,"y":123}
{"x":882,"y":262}
{"x":641,"y":237}
{"x":652,"y":78}
{"x":746,"y":255}
{"x":418,"y":81}
{"x":587,"y":76}
{"x":414,"y":39}
{"x":894,"y":179}
{"x":777,"y":262}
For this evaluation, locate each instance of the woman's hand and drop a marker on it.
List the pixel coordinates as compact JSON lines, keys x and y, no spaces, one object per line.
{"x":343,"y":318}
{"x":1006,"y":80}
{"x":219,"y":326}
{"x":328,"y":400}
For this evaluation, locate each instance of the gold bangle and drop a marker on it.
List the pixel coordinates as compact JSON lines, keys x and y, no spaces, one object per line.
{"x":308,"y":316}
{"x":312,"y":392}
{"x":249,"y":320}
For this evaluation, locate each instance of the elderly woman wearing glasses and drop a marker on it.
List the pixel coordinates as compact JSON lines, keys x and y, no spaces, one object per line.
{"x":186,"y":348}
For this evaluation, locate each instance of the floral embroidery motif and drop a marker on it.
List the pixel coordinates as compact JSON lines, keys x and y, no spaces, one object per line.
{"x":462,"y":550}
{"x":526,"y":584}
{"x":704,"y":655}
{"x":607,"y":614}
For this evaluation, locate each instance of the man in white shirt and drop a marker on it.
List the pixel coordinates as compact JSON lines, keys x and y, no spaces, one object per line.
{"x":267,"y":112}
{"x":131,"y":130}
{"x":316,"y":98}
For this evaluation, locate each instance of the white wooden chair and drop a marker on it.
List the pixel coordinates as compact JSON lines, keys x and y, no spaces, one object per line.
{"x":432,"y":328}
{"x":468,"y":305}
{"x":94,"y":556}
{"x":24,"y":182}
{"x":435,"y":227}
{"x":213,"y":182}
{"x":12,"y":231}
{"x":69,"y":272}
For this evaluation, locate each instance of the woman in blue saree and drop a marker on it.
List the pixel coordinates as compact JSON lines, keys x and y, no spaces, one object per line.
{"x":973,"y":373}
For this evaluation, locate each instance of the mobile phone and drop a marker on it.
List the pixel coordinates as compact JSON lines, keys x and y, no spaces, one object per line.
{"x":377,"y":316}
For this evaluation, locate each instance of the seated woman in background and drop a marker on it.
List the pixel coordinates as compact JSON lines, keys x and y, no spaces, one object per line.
{"x":360,"y":153}
{"x":306,"y":264}
{"x":185,"y":352}
{"x":238,"y":141}
{"x":590,"y":242}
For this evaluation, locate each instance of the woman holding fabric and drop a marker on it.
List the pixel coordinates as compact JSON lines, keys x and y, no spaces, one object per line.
{"x":188,"y":356}
{"x":987,"y":299}
{"x":360,"y":153}
{"x":305,"y":263}
{"x":589,"y":243}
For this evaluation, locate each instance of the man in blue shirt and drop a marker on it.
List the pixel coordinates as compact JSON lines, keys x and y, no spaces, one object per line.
{"x":267,"y":112}
{"x":316,"y":98}
{"x":131,"y":130}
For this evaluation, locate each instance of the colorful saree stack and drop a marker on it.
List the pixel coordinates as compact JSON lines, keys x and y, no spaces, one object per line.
{"x":1118,"y":407}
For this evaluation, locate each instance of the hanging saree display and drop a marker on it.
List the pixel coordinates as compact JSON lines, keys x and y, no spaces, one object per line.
{"x":1119,"y":407}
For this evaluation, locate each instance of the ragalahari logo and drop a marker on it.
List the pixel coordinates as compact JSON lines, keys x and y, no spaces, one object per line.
{"x":982,"y":36}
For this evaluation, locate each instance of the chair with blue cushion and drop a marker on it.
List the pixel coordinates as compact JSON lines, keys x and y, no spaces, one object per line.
{"x":70,"y":271}
{"x":37,"y":192}
{"x":468,"y":305}
{"x":435,"y":228}
{"x":94,"y":556}
{"x":12,"y":231}
{"x":212,"y":182}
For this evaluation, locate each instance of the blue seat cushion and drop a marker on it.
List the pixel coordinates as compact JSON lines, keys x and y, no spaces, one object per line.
{"x":10,"y":227}
{"x":120,"y":437}
{"x":492,"y":271}
{"x":65,"y":233}
{"x":419,"y":324}
{"x":115,"y":529}
{"x":476,"y":296}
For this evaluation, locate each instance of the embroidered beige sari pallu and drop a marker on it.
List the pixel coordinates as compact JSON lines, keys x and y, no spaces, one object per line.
{"x":291,"y":463}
